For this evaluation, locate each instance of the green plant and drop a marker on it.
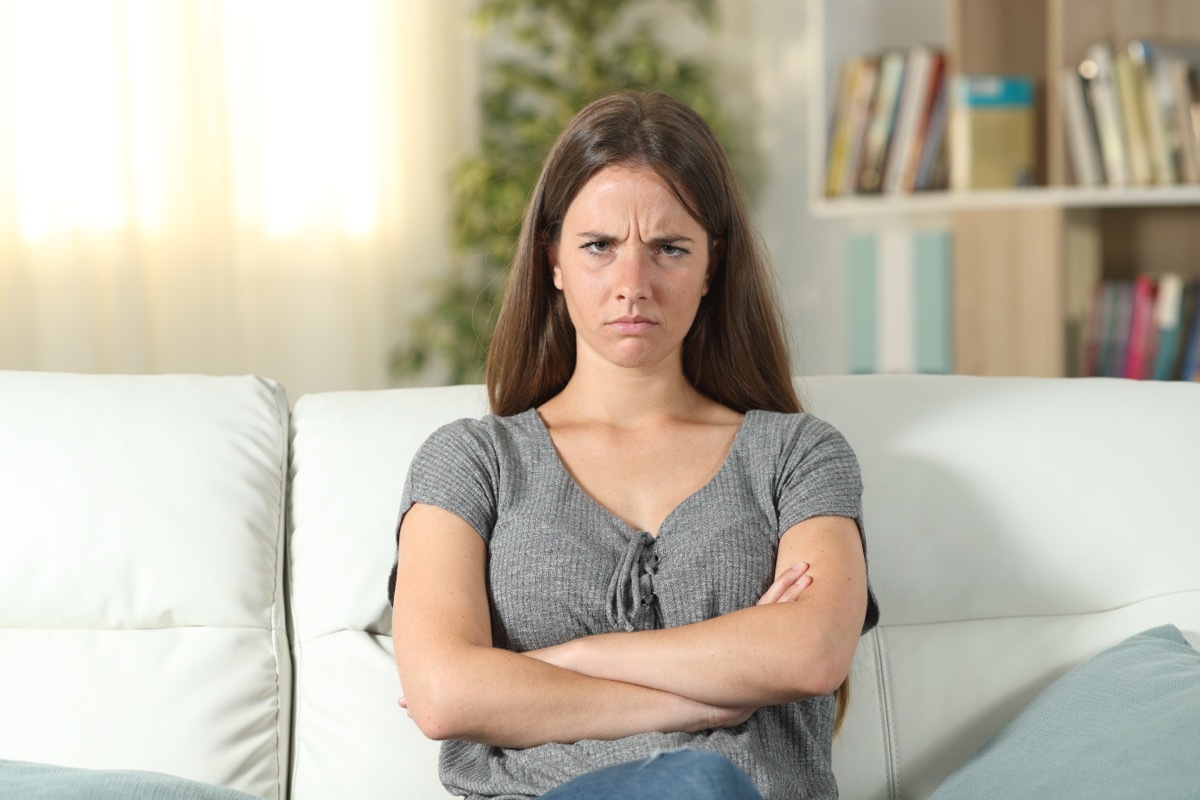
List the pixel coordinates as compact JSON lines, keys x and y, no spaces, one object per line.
{"x":557,"y":55}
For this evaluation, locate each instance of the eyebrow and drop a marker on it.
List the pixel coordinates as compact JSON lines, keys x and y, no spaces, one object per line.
{"x":669,"y":238}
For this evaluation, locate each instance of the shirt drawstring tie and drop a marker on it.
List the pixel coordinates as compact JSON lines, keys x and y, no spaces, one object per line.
{"x":631,"y":596}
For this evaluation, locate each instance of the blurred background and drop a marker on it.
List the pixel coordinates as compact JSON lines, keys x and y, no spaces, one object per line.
{"x":323,"y":192}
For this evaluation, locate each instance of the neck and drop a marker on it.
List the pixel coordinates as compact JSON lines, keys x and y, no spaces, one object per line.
{"x":627,"y":397}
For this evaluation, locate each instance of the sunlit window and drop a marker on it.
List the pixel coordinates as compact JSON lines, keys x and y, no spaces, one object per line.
{"x":139,"y":113}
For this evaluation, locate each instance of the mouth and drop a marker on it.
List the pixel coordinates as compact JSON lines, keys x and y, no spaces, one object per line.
{"x":632,"y":325}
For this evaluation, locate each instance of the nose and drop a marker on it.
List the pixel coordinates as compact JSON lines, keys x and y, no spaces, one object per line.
{"x":631,"y":276}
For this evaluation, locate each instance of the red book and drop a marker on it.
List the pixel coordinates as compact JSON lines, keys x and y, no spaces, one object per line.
{"x":1141,"y":319}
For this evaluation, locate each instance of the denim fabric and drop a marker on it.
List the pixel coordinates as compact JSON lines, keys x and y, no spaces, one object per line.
{"x":682,"y":774}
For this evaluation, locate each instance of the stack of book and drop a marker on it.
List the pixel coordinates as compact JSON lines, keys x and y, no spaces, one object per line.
{"x":888,"y":131}
{"x":1145,"y":328}
{"x":1132,"y":113}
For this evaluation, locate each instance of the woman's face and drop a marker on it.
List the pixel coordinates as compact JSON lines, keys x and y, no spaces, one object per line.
{"x":632,"y":265}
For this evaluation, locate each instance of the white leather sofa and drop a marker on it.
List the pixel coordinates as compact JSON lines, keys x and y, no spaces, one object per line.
{"x":192,"y":575}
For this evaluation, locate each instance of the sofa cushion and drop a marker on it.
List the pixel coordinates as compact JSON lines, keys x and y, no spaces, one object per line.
{"x":1126,"y":723}
{"x":142,"y":616}
{"x":350,"y":455}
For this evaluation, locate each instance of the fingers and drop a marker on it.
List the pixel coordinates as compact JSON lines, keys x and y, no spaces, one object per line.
{"x":795,"y":589}
{"x":788,"y":586}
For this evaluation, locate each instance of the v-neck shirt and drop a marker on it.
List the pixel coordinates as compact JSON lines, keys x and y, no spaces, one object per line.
{"x":561,"y":566}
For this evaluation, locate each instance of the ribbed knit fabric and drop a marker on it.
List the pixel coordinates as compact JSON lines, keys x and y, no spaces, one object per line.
{"x":561,"y":567}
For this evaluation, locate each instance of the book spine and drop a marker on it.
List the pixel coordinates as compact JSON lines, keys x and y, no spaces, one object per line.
{"x":1140,"y":321}
{"x":860,"y":114}
{"x":909,"y":113}
{"x":1166,"y":320}
{"x":1189,"y":144}
{"x":1190,"y":368}
{"x":1081,"y":143}
{"x":1162,"y":164}
{"x":1130,"y":102}
{"x":839,"y":128}
{"x":883,"y":115}
{"x":1099,"y":71}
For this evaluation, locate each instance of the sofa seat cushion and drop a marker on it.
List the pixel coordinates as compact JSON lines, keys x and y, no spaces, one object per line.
{"x":1125,"y":723}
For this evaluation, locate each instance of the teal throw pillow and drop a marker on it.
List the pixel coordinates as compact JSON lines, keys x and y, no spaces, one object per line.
{"x":30,"y":781}
{"x":1124,"y":724}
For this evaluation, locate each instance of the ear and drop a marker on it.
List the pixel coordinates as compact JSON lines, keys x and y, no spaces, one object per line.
{"x":555,"y":269}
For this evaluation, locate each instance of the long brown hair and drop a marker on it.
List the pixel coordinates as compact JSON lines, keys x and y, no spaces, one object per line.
{"x":735,"y":352}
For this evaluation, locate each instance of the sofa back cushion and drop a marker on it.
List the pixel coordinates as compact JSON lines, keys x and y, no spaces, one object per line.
{"x":1015,"y":527}
{"x":350,"y":456}
{"x":141,"y":574}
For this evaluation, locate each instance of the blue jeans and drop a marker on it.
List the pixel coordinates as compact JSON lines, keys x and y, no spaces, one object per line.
{"x":672,"y":775}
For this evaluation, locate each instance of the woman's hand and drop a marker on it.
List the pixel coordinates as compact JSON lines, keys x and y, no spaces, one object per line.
{"x":788,"y":586}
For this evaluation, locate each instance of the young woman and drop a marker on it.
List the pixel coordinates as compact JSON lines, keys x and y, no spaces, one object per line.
{"x":647,"y":546}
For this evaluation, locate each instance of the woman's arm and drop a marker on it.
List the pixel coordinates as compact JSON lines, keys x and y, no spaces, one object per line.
{"x":767,"y":654}
{"x":458,"y":686}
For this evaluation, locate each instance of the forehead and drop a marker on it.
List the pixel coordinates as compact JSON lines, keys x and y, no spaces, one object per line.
{"x":621,"y":192}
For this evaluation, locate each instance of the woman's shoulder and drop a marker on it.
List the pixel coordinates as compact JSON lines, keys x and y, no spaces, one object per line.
{"x":491,"y":433}
{"x":801,"y":424}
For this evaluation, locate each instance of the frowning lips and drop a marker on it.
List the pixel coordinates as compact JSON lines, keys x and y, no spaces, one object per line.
{"x":632,"y":325}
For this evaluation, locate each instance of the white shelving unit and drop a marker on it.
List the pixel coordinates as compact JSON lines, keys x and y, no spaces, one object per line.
{"x":1025,"y":260}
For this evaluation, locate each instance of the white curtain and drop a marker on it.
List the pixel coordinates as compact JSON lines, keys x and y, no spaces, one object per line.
{"x":225,"y":187}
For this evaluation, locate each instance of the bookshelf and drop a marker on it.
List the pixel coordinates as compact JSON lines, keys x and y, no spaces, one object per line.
{"x":1026,"y":261}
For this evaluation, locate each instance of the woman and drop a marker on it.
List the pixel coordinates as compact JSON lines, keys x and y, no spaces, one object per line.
{"x":647,"y":547}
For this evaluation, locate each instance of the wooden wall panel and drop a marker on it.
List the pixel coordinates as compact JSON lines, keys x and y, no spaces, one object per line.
{"x":1008,"y":292}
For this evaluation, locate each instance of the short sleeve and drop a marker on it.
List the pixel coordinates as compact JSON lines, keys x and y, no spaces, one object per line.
{"x":819,"y":476}
{"x":455,"y":469}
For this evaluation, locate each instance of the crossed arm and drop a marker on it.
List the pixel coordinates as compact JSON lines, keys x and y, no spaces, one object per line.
{"x":798,"y":642}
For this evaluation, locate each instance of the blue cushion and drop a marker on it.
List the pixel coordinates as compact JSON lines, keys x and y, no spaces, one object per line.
{"x":1126,"y":723}
{"x":30,"y":781}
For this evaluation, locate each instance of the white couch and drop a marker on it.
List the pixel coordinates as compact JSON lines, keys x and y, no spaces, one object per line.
{"x":192,"y":577}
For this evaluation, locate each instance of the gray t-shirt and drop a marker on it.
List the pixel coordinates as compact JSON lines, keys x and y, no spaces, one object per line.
{"x":561,"y":567}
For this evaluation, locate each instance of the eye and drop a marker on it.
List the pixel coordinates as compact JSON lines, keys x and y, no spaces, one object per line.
{"x":597,"y":247}
{"x":672,"y":251}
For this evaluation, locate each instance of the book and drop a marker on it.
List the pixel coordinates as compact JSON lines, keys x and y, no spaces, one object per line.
{"x":840,"y":125}
{"x":992,"y":132}
{"x":1169,"y":65}
{"x":1129,"y":99}
{"x":860,"y":111}
{"x":933,"y":146}
{"x":1093,"y":334}
{"x":1179,"y":74}
{"x":881,"y":122}
{"x":1099,"y":73}
{"x":1187,"y":312}
{"x":1082,"y":146}
{"x":932,"y":122}
{"x":1190,"y":367}
{"x":1139,"y":339}
{"x":911,"y":111}
{"x":1167,"y":309}
{"x":1161,"y":139}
